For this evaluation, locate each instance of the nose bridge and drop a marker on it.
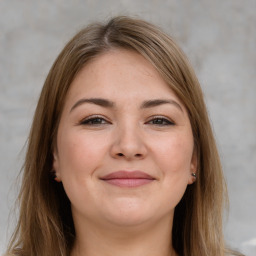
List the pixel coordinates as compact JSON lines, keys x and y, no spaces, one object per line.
{"x":128,"y":140}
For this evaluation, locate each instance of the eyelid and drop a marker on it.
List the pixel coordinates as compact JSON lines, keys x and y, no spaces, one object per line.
{"x":151,"y":118}
{"x":106,"y":120}
{"x":91,"y":117}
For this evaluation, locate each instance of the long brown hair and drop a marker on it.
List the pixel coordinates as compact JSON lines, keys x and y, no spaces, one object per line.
{"x":45,"y":225}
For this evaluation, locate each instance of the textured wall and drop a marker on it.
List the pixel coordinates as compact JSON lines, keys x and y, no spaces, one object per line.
{"x":218,"y":36}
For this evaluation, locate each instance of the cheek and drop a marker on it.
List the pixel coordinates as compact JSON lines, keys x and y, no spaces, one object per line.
{"x":174,"y":160}
{"x":174,"y":154}
{"x":79,"y":154}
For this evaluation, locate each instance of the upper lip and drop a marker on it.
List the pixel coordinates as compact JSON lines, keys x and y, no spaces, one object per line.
{"x":127,"y":175}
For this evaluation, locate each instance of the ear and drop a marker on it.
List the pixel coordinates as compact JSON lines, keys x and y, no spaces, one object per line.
{"x":193,"y":168}
{"x":56,"y":166}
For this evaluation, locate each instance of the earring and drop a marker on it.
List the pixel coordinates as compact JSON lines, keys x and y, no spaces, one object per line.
{"x":194,"y":175}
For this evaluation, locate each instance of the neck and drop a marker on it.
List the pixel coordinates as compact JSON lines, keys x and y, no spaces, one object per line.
{"x":150,"y":240}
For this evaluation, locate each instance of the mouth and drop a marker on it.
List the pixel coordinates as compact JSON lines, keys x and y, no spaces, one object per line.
{"x":128,"y":179}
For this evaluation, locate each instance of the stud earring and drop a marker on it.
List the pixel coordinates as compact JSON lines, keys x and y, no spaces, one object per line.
{"x":194,"y":175}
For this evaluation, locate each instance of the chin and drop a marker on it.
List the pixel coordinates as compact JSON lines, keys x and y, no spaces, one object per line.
{"x":129,"y":213}
{"x":128,"y":220}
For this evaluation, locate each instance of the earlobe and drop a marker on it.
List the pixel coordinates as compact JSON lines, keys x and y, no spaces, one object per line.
{"x":193,"y":174}
{"x":192,"y":177}
{"x":55,"y":167}
{"x":57,"y":178}
{"x":193,"y":169}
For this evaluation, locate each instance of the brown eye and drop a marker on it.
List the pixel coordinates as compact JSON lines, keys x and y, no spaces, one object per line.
{"x":94,"y":121}
{"x":160,"y":121}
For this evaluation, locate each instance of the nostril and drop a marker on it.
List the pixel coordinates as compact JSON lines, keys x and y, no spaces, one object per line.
{"x":136,"y":155}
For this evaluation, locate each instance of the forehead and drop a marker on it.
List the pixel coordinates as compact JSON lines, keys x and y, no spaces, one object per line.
{"x":119,"y":74}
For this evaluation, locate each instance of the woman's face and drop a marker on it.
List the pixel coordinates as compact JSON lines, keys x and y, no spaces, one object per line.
{"x":124,"y":145}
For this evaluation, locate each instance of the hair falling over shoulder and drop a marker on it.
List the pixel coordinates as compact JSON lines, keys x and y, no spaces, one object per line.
{"x":45,"y":226}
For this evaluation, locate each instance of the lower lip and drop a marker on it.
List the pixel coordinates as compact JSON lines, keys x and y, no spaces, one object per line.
{"x":129,"y":183}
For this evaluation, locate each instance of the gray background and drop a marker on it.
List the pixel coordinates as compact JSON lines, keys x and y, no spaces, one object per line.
{"x":219,"y":38}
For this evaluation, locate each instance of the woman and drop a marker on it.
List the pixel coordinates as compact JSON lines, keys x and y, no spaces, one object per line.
{"x":121,"y":158}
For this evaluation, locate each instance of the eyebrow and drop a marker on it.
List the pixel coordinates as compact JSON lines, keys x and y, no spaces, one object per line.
{"x":110,"y":104}
{"x":97,"y":101}
{"x":158,"y":102}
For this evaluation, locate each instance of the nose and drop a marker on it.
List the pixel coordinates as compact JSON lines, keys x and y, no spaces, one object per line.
{"x":129,"y":144}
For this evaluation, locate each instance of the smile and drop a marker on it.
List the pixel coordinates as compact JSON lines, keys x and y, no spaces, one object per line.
{"x":128,"y":179}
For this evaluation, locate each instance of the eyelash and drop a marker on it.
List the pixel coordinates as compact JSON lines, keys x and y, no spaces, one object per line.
{"x":99,"y":120}
{"x":90,"y":120}
{"x":165,"y":121}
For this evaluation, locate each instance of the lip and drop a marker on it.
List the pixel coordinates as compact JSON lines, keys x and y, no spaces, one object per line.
{"x":128,"y":178}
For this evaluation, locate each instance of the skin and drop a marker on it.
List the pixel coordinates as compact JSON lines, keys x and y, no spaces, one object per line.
{"x":128,"y":135}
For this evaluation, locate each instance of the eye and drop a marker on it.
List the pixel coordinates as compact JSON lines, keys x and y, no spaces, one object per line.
{"x":160,"y":121}
{"x":94,"y":121}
